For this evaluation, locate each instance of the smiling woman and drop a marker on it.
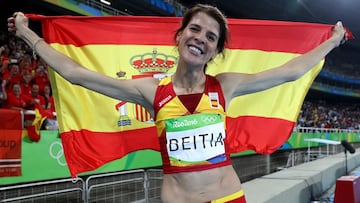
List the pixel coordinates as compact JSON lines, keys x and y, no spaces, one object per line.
{"x":190,"y":106}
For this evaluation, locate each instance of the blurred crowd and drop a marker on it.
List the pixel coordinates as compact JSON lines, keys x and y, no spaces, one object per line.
{"x":325,"y":114}
{"x":24,"y":77}
{"x":25,"y":85}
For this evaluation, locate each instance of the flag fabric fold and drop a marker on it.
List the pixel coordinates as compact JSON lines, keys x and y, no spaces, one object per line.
{"x":96,"y":129}
{"x":33,"y":130}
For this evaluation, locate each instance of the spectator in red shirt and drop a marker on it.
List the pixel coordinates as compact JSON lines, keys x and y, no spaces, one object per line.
{"x":26,"y":63}
{"x":10,"y":78}
{"x":49,"y":99}
{"x":4,"y":58}
{"x":41,"y":77}
{"x":15,"y":99}
{"x":26,"y":81}
{"x":35,"y":100}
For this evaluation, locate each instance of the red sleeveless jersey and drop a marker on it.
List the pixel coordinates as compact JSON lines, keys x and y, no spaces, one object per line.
{"x":191,"y":141}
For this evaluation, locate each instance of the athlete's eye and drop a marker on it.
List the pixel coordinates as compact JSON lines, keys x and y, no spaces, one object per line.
{"x":194,"y":28}
{"x":211,"y":37}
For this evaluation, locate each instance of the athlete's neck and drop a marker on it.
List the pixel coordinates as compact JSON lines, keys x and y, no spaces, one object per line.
{"x":188,"y":83}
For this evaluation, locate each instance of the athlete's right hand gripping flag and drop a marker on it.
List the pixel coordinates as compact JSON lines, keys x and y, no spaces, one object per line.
{"x":96,"y":129}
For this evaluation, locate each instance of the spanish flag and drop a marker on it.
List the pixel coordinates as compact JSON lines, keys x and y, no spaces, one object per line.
{"x":96,"y":129}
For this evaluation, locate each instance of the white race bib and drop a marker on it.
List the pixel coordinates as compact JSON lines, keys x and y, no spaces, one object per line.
{"x":196,"y":138}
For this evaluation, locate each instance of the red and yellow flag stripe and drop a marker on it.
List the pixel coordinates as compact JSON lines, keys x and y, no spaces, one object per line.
{"x":96,"y":129}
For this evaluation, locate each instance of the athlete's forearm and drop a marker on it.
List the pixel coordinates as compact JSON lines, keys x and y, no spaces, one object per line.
{"x":302,"y":64}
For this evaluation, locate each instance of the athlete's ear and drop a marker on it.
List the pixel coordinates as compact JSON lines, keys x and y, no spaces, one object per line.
{"x":178,"y":36}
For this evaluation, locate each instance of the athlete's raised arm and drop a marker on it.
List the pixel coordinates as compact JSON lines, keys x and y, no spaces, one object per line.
{"x":126,"y":90}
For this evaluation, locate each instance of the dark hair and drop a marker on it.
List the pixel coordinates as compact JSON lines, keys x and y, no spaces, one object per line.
{"x":212,"y":12}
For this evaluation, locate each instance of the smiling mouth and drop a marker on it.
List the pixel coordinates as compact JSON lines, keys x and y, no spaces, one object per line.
{"x":196,"y":50}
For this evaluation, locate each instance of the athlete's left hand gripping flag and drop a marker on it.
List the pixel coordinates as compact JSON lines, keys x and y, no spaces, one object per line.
{"x":96,"y":129}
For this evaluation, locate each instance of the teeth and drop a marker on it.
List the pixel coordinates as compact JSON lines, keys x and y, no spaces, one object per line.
{"x":198,"y":51}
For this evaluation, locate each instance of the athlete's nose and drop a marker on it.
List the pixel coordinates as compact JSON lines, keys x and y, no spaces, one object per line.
{"x":200,"y":38}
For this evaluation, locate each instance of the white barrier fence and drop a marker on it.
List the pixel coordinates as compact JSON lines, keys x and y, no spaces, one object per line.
{"x":87,"y":188}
